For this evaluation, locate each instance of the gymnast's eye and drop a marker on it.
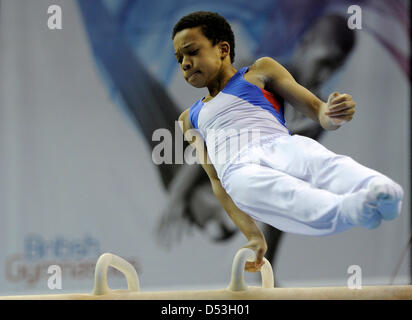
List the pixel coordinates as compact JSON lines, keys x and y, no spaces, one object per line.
{"x":191,"y":53}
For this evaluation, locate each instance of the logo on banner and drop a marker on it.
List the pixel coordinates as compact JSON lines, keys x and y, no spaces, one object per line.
{"x":51,"y":262}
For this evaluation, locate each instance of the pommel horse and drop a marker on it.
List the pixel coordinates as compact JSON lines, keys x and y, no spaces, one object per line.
{"x":236,"y":290}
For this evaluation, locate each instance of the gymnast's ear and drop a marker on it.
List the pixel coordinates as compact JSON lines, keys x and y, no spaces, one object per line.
{"x":224,"y":49}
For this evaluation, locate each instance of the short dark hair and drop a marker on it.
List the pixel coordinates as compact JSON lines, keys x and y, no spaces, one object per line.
{"x":213,"y":26}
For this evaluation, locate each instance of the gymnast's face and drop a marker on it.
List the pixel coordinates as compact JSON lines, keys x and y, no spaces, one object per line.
{"x":200,"y":61}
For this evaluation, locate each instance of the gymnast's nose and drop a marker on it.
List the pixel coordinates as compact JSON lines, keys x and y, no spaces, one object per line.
{"x":186,"y":67}
{"x":186,"y":64}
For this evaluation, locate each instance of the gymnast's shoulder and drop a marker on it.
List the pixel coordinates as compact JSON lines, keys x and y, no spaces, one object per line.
{"x":268,"y":70}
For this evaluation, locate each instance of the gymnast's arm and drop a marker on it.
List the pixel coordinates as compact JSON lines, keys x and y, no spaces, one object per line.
{"x":243,"y":221}
{"x":339,"y":108}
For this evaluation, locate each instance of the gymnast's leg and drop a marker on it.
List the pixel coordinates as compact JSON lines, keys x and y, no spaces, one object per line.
{"x":300,"y":169}
{"x":308,"y":160}
{"x":283,"y":201}
{"x":341,"y":174}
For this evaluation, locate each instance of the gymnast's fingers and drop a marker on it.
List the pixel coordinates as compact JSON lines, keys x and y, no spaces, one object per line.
{"x":254,"y":266}
{"x":340,"y":98}
{"x":349,"y":104}
{"x":341,"y":113}
{"x":347,"y":113}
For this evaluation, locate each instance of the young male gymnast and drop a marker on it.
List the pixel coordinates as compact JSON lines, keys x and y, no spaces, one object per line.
{"x":288,"y":181}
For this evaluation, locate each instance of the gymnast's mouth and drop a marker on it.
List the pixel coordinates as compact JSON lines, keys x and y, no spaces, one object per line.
{"x":193,"y":74}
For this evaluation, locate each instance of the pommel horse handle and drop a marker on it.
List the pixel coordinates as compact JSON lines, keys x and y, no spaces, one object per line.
{"x":237,"y":282}
{"x":107,"y":260}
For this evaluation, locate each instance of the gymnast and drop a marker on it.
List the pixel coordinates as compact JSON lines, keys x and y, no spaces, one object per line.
{"x":288,"y":181}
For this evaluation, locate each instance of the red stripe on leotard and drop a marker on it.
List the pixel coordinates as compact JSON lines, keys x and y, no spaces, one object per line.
{"x":271,"y":98}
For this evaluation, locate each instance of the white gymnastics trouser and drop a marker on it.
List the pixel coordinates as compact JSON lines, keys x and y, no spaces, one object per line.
{"x":295,"y":184}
